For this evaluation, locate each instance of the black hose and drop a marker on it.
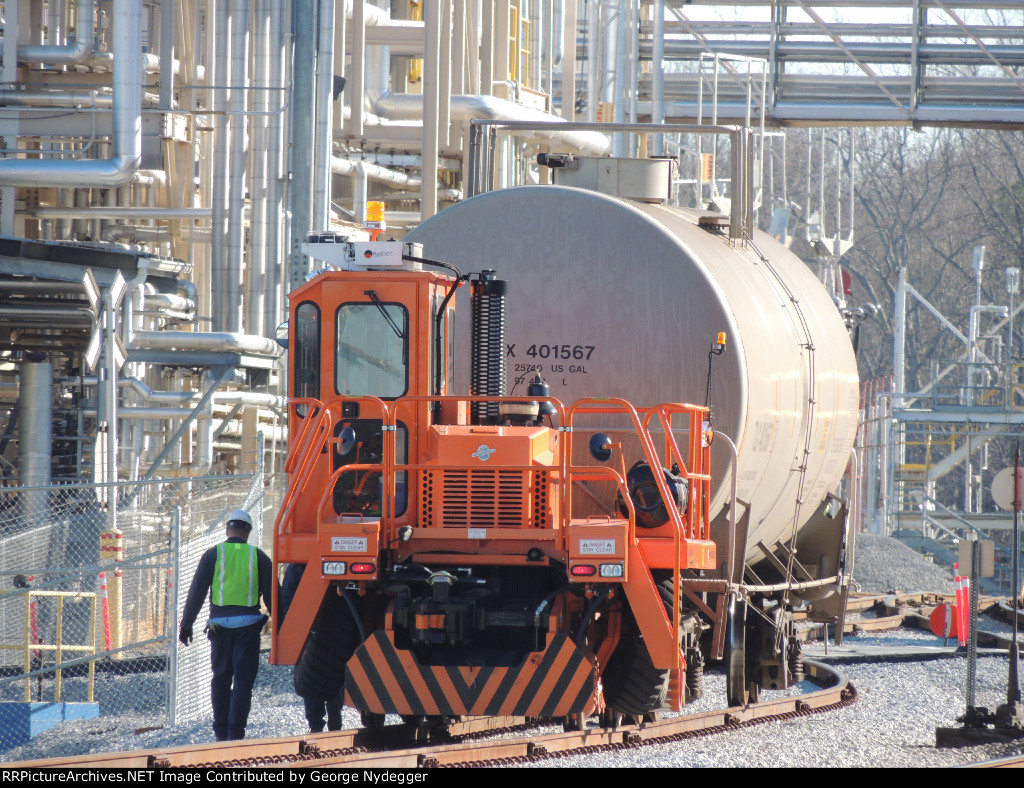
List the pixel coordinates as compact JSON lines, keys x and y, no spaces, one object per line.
{"x":439,"y":317}
{"x":546,"y":602}
{"x":347,"y":596}
{"x":591,"y":609}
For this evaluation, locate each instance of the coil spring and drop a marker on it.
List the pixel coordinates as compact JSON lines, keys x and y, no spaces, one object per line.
{"x":488,"y":377}
{"x":694,"y":673}
{"x":796,"y":661}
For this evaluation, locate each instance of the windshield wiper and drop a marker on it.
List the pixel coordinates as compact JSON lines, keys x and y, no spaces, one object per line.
{"x":380,"y":306}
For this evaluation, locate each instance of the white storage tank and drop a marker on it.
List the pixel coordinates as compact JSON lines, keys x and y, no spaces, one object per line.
{"x":609,"y":297}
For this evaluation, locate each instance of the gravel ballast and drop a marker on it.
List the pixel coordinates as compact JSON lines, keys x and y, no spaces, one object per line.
{"x":900,"y":702}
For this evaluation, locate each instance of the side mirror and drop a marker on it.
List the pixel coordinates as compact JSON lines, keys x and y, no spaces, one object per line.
{"x":281,"y":335}
{"x":600,"y":447}
{"x":348,"y":440}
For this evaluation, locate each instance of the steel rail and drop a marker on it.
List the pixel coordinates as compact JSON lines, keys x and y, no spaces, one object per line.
{"x":352,"y":749}
{"x":291,"y":750}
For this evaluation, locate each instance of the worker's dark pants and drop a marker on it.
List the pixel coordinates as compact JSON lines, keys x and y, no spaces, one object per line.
{"x":235,"y":658}
{"x":315,"y":711}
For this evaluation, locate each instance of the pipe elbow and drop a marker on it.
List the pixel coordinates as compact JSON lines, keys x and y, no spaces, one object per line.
{"x":102,"y":174}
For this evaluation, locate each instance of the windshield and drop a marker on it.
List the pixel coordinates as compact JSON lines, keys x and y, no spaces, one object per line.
{"x":371,"y":358}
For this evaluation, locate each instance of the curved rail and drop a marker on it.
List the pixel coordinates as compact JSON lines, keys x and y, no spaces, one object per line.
{"x":369,"y":749}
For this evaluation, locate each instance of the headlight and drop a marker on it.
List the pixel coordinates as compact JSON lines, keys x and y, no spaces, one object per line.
{"x":611,"y":570}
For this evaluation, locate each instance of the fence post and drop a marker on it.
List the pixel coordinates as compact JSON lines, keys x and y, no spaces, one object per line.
{"x":172,"y":618}
{"x":105,"y":611}
{"x":111,"y":552}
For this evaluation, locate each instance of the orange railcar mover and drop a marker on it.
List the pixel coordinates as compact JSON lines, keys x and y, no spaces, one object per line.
{"x":433,"y":563}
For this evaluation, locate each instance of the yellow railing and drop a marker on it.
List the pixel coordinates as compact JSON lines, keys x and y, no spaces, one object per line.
{"x":33,"y":650}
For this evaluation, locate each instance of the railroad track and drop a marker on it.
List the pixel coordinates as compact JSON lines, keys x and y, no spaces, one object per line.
{"x":389,"y":748}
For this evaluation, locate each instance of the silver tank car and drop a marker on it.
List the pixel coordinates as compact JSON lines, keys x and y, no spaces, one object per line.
{"x":611,"y":297}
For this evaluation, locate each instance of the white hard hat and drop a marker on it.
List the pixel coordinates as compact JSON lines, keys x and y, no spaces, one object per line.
{"x":239,"y":519}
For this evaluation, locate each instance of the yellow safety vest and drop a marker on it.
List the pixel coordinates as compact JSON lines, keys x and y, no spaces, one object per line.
{"x":235,"y":575}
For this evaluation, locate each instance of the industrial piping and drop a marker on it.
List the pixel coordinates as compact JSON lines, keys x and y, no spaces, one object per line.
{"x":127,"y":117}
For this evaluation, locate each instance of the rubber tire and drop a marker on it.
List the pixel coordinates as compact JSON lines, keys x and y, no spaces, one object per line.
{"x":632,"y":685}
{"x":320,"y":671}
{"x":737,"y":690}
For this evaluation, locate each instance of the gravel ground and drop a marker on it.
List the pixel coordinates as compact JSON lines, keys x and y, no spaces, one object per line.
{"x":883,"y":565}
{"x":893,"y":723}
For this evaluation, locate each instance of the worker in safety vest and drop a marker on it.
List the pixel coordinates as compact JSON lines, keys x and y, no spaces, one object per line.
{"x":235,"y":574}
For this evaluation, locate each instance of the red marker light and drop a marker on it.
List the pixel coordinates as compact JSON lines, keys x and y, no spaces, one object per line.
{"x":362,"y":569}
{"x":583,"y":570}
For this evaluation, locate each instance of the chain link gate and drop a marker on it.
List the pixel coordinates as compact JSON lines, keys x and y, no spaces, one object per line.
{"x":89,"y":613}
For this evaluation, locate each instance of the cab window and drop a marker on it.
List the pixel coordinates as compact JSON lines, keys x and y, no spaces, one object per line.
{"x":372,"y":355}
{"x":306,"y":354}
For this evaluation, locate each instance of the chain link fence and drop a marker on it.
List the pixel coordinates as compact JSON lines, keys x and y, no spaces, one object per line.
{"x":89,"y":607}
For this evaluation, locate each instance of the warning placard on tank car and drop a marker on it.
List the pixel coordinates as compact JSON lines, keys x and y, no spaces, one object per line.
{"x":348,"y":544}
{"x":597,"y":547}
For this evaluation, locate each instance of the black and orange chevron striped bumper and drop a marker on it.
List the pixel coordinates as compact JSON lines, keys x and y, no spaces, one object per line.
{"x":560,"y":680}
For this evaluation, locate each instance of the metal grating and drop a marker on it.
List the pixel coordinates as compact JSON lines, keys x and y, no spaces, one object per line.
{"x":484,"y":499}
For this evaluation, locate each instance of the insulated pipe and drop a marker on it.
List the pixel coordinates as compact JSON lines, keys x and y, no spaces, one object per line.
{"x":593,"y":23}
{"x":188,"y":287}
{"x":486,"y":83}
{"x":233,"y":316}
{"x":256,"y":279}
{"x":167,"y":301}
{"x":45,"y":99}
{"x":220,"y":32}
{"x":458,"y":54}
{"x":170,"y":413}
{"x":658,"y":71}
{"x":204,"y":428}
{"x":472,"y":67}
{"x":142,"y":235}
{"x":68,"y":54}
{"x":9,"y":127}
{"x":338,"y":107}
{"x":60,"y":317}
{"x":501,"y":57}
{"x":324,"y":138}
{"x":451,"y":195}
{"x":432,"y":16}
{"x":167,"y":70}
{"x":235,"y":430}
{"x":260,"y":399}
{"x":609,"y":26}
{"x":397,"y":106}
{"x":38,"y":286}
{"x":568,"y":63}
{"x":357,"y":83}
{"x":374,"y":172}
{"x":300,"y":164}
{"x":620,"y":77}
{"x":374,"y":16}
{"x":35,"y":403}
{"x":222,"y":342}
{"x":119,"y":212}
{"x":280,"y":32}
{"x":361,"y":15}
{"x":444,"y":76}
{"x":104,"y":61}
{"x":127,"y":119}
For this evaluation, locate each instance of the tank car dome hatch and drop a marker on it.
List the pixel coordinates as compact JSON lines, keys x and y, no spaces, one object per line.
{"x":643,"y":292}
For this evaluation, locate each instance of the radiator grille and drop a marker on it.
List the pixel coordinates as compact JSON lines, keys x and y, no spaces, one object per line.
{"x":484,"y":499}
